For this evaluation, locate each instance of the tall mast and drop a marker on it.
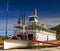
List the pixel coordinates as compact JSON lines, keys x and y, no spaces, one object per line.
{"x":6,"y":20}
{"x":23,"y":22}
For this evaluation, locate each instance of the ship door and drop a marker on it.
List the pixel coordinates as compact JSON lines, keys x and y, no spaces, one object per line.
{"x":30,"y":36}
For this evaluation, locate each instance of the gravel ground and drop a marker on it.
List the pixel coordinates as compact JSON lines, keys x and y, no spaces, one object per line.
{"x":42,"y":49}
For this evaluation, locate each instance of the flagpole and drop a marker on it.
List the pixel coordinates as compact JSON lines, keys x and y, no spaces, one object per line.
{"x":6,"y":20}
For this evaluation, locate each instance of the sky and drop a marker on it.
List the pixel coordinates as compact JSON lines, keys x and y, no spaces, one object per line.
{"x":48,"y":12}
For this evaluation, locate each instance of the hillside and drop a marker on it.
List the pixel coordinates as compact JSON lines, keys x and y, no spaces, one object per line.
{"x":1,"y":37}
{"x":1,"y":41}
{"x":56,"y":28}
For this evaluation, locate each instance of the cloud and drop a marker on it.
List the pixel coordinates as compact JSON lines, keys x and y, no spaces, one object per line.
{"x":52,"y":21}
{"x":10,"y":23}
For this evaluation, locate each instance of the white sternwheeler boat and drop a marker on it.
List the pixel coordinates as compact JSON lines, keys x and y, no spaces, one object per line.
{"x":32,"y":31}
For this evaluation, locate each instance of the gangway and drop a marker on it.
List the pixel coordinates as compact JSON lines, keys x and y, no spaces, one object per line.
{"x":45,"y":42}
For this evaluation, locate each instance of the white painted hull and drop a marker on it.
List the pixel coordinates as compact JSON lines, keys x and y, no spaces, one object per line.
{"x":8,"y":44}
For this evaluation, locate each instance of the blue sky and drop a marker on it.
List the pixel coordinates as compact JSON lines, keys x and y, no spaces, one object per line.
{"x":48,"y":11}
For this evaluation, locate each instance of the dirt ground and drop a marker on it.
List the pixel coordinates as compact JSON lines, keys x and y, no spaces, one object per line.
{"x":1,"y":43}
{"x":42,"y":49}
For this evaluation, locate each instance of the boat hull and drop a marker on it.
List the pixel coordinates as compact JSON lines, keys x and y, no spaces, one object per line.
{"x":8,"y":44}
